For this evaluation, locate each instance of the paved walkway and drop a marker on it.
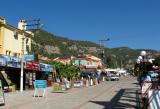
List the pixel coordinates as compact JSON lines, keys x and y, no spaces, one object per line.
{"x":107,"y":95}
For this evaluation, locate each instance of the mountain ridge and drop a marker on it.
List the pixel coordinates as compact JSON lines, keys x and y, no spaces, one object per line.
{"x":52,"y":46}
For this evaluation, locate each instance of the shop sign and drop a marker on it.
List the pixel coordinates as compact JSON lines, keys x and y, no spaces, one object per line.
{"x":29,"y":57}
{"x":32,"y":66}
{"x":2,"y":61}
{"x":46,"y":67}
{"x":28,"y":65}
{"x":35,"y":66}
{"x":40,"y":85}
{"x":13,"y":62}
{"x":58,"y":87}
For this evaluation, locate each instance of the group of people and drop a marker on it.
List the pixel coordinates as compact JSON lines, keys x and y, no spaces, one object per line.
{"x":144,"y":71}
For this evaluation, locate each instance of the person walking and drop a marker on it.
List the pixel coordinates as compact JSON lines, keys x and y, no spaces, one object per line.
{"x":146,"y":85}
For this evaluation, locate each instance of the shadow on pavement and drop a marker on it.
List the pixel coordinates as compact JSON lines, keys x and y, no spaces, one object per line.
{"x":125,"y":98}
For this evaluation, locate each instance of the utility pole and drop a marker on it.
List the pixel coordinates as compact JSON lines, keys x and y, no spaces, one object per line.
{"x":35,"y":22}
{"x":102,"y":49}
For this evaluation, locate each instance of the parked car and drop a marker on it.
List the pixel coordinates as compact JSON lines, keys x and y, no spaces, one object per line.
{"x":153,"y":74}
{"x":114,"y":78}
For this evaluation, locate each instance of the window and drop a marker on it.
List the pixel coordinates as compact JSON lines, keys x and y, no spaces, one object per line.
{"x":15,"y":54}
{"x":6,"y":52}
{"x":16,"y":35}
{"x":9,"y":53}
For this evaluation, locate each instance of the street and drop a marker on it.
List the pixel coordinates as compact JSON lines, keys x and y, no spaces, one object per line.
{"x":122,"y":94}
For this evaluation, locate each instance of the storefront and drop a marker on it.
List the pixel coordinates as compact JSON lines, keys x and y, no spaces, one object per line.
{"x":32,"y":72}
{"x":47,"y":72}
{"x":10,"y":70}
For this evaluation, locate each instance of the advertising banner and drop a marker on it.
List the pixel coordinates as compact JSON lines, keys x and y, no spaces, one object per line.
{"x":40,"y":85}
{"x":58,"y":87}
{"x":32,"y":65}
{"x":2,"y":60}
{"x":13,"y":62}
{"x":29,"y":57}
{"x":28,"y":65}
{"x":46,"y":67}
{"x":36,"y":66}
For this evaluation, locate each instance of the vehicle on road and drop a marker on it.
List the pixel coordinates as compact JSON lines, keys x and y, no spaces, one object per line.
{"x":112,"y":78}
{"x":153,"y":74}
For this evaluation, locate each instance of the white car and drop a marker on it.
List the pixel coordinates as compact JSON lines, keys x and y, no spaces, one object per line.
{"x":114,"y":78}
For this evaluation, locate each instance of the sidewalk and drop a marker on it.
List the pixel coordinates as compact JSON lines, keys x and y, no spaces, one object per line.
{"x":15,"y":99}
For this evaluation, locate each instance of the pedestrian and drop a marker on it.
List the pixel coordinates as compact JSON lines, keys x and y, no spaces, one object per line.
{"x":66,"y":83}
{"x":146,"y":85}
{"x":98,"y":75}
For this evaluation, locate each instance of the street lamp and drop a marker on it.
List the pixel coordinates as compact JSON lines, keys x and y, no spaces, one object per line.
{"x":24,"y":25}
{"x":102,"y":49}
{"x":143,"y":53}
{"x":142,"y":62}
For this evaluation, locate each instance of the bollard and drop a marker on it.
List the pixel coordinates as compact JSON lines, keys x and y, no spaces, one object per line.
{"x":103,"y":78}
{"x":96,"y":82}
{"x":91,"y":82}
{"x":87,"y":84}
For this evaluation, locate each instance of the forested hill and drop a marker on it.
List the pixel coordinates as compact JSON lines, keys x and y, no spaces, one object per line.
{"x":50,"y":45}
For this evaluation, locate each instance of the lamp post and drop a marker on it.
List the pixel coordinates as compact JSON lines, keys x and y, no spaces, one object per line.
{"x":24,"y":25}
{"x":102,"y":49}
{"x":141,"y":63}
{"x":22,"y":54}
{"x":143,"y":54}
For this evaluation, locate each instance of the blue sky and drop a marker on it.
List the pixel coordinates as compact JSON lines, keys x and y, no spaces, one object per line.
{"x":129,"y":23}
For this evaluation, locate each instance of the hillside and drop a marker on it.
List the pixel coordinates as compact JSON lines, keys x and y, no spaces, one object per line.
{"x":51,"y":45}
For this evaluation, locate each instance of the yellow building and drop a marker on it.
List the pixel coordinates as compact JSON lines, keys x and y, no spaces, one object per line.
{"x":11,"y":39}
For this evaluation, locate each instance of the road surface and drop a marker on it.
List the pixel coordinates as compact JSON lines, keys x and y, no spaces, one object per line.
{"x":120,"y":94}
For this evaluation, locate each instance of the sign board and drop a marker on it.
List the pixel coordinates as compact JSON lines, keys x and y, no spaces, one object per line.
{"x":13,"y":62}
{"x":46,"y":67}
{"x":36,"y":66}
{"x":77,"y":84}
{"x":154,"y":99}
{"x":40,"y":86}
{"x":28,"y":65}
{"x":58,"y":87}
{"x":2,"y":98}
{"x":2,"y":61}
{"x":29,"y":57}
{"x":32,"y":65}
